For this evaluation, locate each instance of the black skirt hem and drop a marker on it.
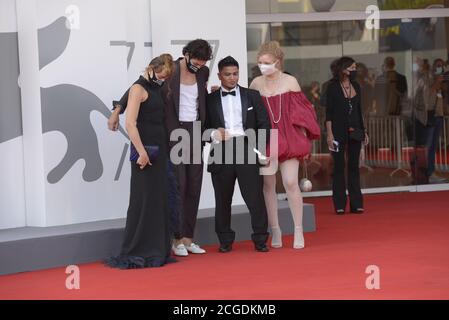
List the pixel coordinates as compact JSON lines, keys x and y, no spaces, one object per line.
{"x":134,"y":262}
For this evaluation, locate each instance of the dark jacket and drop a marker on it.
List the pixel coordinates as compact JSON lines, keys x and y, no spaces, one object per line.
{"x":172,"y":114}
{"x":254,"y":116}
{"x":337,"y":110}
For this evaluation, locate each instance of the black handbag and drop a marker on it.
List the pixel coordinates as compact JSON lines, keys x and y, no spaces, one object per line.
{"x":357,"y":135}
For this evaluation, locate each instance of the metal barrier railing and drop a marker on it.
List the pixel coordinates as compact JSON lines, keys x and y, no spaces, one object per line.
{"x":393,"y":141}
{"x":392,"y":144}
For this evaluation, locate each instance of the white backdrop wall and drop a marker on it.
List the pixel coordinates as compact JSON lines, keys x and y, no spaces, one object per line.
{"x":76,"y":57}
{"x":12,"y":189}
{"x":80,"y":154}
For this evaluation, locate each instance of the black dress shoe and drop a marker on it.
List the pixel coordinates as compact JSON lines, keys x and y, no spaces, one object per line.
{"x":261,"y":247}
{"x":225,"y":248}
{"x":340,"y":211}
{"x":358,"y":210}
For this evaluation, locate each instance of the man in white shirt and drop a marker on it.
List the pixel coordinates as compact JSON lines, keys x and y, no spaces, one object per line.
{"x":234,"y":112}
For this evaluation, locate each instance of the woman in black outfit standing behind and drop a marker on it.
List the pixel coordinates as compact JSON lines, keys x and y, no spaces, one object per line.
{"x":147,"y":241}
{"x":345,"y":131}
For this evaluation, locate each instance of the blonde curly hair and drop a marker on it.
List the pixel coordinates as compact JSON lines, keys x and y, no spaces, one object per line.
{"x":160,"y":63}
{"x":273,"y":48}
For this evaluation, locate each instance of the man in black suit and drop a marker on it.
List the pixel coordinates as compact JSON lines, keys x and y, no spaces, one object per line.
{"x":237,"y":115}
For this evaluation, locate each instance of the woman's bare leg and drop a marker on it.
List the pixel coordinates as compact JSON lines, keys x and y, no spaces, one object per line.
{"x":271,"y":202}
{"x":289,"y":172}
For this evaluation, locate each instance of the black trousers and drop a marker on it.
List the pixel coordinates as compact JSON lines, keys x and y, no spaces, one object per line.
{"x":251,"y":187}
{"x":189,"y":177}
{"x":353,"y":149}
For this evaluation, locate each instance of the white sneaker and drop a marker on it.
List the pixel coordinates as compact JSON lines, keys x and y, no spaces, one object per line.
{"x":194,"y":248}
{"x":180,"y":250}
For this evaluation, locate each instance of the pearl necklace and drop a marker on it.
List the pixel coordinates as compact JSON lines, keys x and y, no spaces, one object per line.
{"x":271,"y":110}
{"x":280,"y":98}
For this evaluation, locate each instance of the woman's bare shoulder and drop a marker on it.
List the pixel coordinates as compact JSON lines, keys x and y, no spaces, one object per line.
{"x":136,"y":89}
{"x":292,"y":83}
{"x":138,"y":92}
{"x":256,"y":83}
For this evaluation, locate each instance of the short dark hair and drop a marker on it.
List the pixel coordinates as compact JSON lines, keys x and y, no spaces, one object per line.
{"x":227,"y":62}
{"x":389,"y":62}
{"x":342,"y":64}
{"x":198,"y":49}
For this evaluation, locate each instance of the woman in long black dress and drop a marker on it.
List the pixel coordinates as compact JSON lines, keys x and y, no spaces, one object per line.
{"x":147,"y":241}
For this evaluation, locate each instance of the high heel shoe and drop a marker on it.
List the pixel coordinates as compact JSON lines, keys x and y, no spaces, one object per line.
{"x":276,"y":237}
{"x":298,"y":242}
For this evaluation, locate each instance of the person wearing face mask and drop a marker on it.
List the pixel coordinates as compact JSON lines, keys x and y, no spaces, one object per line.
{"x":345,"y":133}
{"x":146,"y":241}
{"x":434,"y":124}
{"x":233,"y":113}
{"x":294,"y":118}
{"x":186,"y":105}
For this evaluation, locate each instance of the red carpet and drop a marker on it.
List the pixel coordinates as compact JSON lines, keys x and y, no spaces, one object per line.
{"x":406,"y":235}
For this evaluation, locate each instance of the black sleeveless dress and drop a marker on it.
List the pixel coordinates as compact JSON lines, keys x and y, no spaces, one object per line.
{"x":147,"y":241}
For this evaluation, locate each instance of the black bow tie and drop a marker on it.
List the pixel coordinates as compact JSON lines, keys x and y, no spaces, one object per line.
{"x":225,"y":93}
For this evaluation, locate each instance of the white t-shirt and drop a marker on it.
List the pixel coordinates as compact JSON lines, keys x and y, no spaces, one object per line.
{"x":188,"y":103}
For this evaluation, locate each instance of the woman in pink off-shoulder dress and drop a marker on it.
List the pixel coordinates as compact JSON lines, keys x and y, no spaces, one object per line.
{"x":295,"y":120}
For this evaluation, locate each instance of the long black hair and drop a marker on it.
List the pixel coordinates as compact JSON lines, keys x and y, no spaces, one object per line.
{"x":342,"y":64}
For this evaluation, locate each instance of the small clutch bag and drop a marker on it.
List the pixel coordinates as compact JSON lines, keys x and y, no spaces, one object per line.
{"x":152,"y":150}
